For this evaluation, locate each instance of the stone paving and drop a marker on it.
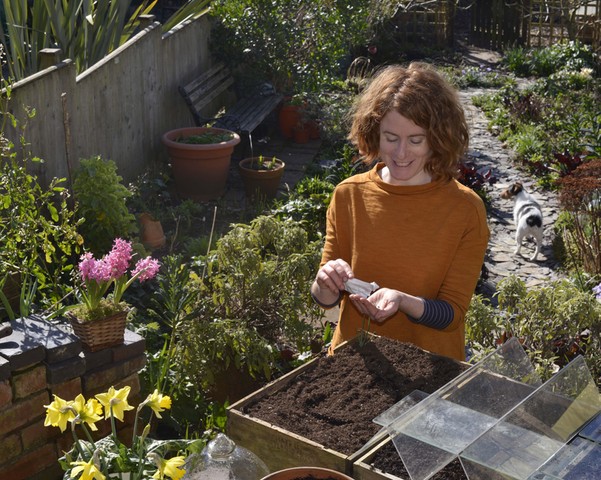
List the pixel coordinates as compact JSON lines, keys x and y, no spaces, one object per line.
{"x":488,"y":152}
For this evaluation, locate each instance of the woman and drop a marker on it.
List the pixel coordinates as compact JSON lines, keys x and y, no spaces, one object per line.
{"x":406,"y":224}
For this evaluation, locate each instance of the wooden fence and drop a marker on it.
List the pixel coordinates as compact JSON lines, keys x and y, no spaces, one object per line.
{"x":118,"y":109}
{"x":497,"y":24}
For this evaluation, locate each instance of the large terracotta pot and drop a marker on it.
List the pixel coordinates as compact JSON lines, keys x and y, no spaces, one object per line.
{"x":200,"y":170}
{"x":307,"y":472}
{"x":261,"y":182}
{"x":289,"y":117}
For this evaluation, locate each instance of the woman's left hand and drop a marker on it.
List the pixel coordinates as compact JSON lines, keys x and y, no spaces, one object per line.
{"x":379,"y":306}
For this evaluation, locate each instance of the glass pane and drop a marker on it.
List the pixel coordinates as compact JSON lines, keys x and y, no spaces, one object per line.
{"x":535,"y":430}
{"x":431,"y":434}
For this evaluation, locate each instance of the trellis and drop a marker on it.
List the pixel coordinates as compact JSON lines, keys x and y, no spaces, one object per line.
{"x":426,"y":22}
{"x":497,"y":24}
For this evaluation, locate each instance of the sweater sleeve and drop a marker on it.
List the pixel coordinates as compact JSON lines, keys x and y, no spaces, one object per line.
{"x":437,"y":314}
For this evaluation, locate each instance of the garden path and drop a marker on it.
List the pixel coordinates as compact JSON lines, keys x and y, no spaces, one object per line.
{"x":487,"y":152}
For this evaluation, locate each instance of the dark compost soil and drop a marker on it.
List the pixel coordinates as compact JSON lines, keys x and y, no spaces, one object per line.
{"x":334,"y":403}
{"x":386,"y":459}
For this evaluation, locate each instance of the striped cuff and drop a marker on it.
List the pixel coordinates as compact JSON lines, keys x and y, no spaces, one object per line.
{"x":437,"y":314}
{"x":322,"y":305}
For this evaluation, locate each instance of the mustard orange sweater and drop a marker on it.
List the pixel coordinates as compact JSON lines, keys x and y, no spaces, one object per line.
{"x":427,"y":240}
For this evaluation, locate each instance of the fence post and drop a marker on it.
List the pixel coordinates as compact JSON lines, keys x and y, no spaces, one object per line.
{"x":49,"y":57}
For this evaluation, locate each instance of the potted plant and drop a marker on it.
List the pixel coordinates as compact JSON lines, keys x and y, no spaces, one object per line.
{"x":136,"y":458}
{"x":261,"y":176}
{"x":200,"y":160}
{"x":99,"y":319}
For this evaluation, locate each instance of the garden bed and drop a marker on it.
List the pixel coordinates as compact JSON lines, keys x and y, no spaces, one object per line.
{"x":321,"y":413}
{"x":384,"y":462}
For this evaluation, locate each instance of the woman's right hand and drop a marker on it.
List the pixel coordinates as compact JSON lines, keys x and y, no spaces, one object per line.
{"x":329,"y":281}
{"x":333,"y":275}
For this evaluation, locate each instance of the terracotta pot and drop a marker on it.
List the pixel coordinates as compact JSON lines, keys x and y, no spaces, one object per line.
{"x":314,"y":132}
{"x":288,"y":118}
{"x":260,"y":183}
{"x":307,"y":472}
{"x":200,"y":170}
{"x":151,"y":232}
{"x":302,"y":134}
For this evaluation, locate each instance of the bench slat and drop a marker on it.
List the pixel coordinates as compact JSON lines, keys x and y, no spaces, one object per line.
{"x":249,"y":112}
{"x":246,"y":115}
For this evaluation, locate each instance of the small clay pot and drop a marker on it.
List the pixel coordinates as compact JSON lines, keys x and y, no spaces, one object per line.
{"x":151,"y":232}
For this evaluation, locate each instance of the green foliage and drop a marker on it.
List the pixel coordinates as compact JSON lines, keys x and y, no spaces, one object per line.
{"x":171,"y":307}
{"x":85,"y":31}
{"x":255,"y":36}
{"x":254,"y":296}
{"x":548,"y":129}
{"x":307,"y":204}
{"x":554,"y":322}
{"x":478,"y":77}
{"x":38,"y":231}
{"x":261,"y":273}
{"x":570,"y":56}
{"x":102,"y":204}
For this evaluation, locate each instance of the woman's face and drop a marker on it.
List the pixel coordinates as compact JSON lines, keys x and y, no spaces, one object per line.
{"x":404,"y":149}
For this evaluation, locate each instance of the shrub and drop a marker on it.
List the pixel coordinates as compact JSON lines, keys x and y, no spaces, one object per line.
{"x":570,"y":56}
{"x":38,"y":231}
{"x":251,"y":297}
{"x":554,"y":322}
{"x":102,"y":204}
{"x":254,"y":36}
{"x":580,"y":195}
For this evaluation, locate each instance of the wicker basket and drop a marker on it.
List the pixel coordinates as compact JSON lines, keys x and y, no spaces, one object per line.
{"x":100,"y":334}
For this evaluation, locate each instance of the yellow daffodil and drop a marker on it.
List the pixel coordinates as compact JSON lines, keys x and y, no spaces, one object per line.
{"x":58,"y":413}
{"x":115,"y":402}
{"x":87,"y":412}
{"x":88,"y":470}
{"x":158,"y":402}
{"x":168,"y":468}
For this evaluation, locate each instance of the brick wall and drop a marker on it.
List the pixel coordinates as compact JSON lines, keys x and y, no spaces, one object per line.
{"x":38,"y":360}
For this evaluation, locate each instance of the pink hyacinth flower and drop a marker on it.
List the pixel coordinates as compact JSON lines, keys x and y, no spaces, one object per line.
{"x":147,"y":267}
{"x":119,"y":257}
{"x":92,"y":269}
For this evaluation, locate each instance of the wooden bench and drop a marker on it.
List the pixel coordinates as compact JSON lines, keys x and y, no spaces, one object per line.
{"x":244,"y":116}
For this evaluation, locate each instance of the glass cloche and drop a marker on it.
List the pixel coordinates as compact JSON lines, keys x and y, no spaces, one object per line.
{"x":222,"y":459}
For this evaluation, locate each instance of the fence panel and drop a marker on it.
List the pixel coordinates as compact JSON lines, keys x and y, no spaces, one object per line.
{"x":118,"y":108}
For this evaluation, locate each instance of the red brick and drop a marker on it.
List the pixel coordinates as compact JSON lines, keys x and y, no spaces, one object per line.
{"x":6,"y":394}
{"x":10,"y":448}
{"x":36,"y":434}
{"x":64,"y":443}
{"x":53,"y":472}
{"x":29,"y":381}
{"x":134,"y":382}
{"x":101,"y":380}
{"x":31,"y":464}
{"x":23,"y":412}
{"x":67,"y":390}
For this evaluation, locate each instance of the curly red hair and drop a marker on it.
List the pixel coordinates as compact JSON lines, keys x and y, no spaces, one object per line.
{"x":421,"y":94}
